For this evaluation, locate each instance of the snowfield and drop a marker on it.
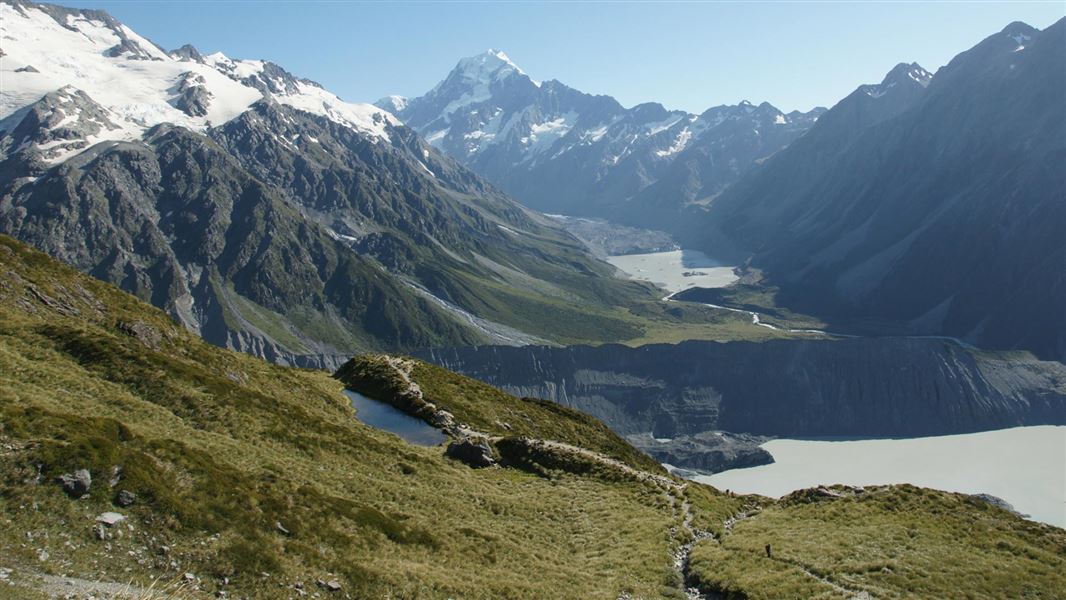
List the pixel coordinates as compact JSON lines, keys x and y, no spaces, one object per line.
{"x":136,"y":82}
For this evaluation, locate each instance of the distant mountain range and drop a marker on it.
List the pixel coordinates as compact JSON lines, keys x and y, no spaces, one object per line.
{"x":560,"y":150}
{"x":931,"y":205}
{"x":925,"y":204}
{"x":264,"y":212}
{"x":268,"y":215}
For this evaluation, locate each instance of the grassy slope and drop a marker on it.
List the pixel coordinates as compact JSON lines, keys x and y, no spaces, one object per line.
{"x":489,"y":410}
{"x":674,"y":322}
{"x":893,"y":542}
{"x":221,"y":447}
{"x":216,"y":443}
{"x":756,"y":297}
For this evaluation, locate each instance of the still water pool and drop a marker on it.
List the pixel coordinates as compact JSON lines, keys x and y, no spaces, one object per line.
{"x":386,"y":417}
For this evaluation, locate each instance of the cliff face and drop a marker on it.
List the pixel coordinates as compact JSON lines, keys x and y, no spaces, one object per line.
{"x":861,"y":387}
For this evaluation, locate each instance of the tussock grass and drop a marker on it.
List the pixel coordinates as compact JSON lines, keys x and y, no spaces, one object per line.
{"x":490,"y":410}
{"x":220,"y":448}
{"x":261,"y":476}
{"x":892,"y":542}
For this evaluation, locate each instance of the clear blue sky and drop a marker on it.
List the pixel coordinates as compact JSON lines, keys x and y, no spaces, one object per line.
{"x":687,"y":55}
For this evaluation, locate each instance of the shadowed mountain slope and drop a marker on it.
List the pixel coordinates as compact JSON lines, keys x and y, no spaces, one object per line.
{"x":939,"y":213}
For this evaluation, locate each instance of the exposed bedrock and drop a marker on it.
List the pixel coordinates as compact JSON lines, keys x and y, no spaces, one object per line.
{"x":855,"y":387}
{"x":707,"y":452}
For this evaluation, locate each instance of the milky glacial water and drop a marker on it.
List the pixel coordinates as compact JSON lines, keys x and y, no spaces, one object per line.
{"x":675,"y":270}
{"x":1026,"y":466}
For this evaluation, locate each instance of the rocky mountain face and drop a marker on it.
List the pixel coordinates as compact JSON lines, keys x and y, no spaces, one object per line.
{"x":177,"y":221}
{"x":265,"y":213}
{"x":830,"y":134}
{"x":855,"y":387}
{"x":742,"y":138}
{"x":560,"y":150}
{"x":931,"y":206}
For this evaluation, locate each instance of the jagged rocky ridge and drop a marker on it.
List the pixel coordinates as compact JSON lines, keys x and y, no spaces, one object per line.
{"x":856,"y":387}
{"x":561,"y":150}
{"x":265,"y":213}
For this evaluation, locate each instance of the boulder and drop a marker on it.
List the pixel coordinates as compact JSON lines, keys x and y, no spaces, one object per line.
{"x":125,"y":498}
{"x":144,"y":333}
{"x":110,"y":518}
{"x":332,"y":585}
{"x":442,"y":419}
{"x":474,"y":451}
{"x":116,"y":476}
{"x":76,"y":484}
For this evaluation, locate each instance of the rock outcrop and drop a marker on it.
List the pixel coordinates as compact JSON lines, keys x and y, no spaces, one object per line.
{"x":474,"y":451}
{"x":858,"y":387}
{"x":706,"y":452}
{"x":76,"y":484}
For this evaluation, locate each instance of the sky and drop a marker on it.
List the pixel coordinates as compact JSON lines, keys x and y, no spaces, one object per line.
{"x":685,"y":55}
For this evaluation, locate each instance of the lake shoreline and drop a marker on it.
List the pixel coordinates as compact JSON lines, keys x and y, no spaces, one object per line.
{"x":1025,"y":466}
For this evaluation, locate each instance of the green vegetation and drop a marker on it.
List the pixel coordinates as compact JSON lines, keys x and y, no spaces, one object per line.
{"x":755,"y":298}
{"x":222,"y":448}
{"x":711,"y":508}
{"x":489,"y":410}
{"x":672,"y":322}
{"x":890,"y":542}
{"x":256,"y":478}
{"x":569,"y":319}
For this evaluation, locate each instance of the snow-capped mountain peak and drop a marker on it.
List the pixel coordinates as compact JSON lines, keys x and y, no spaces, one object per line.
{"x":137,"y":85}
{"x":61,"y":124}
{"x":524,"y":135}
{"x":470,"y":92}
{"x":476,"y":79}
{"x":393,"y":104}
{"x":188,"y":52}
{"x":490,"y":65}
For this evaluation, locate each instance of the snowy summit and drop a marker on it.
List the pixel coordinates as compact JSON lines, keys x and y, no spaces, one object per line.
{"x":77,"y":63}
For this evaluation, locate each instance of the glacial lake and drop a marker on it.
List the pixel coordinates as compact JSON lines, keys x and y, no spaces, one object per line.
{"x":388,"y":418}
{"x":1026,"y":466}
{"x":675,"y":270}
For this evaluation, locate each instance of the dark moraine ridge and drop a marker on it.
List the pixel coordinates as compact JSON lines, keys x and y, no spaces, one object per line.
{"x":892,"y":387}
